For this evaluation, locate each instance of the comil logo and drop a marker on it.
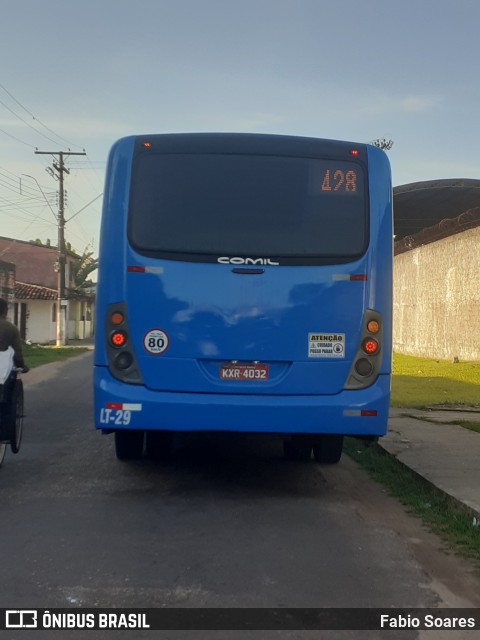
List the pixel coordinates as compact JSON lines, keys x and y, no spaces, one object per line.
{"x":254,"y":261}
{"x":20,"y":619}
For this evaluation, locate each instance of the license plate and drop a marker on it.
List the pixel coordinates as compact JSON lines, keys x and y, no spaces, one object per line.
{"x":244,"y":372}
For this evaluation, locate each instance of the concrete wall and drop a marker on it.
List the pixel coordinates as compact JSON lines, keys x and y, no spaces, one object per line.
{"x":437,"y":299}
{"x":80,"y":330}
{"x":41,"y":328}
{"x":80,"y":324}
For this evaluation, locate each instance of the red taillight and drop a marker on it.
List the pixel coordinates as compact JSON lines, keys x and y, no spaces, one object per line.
{"x":370,"y":346}
{"x":354,"y":152}
{"x":118,"y":338}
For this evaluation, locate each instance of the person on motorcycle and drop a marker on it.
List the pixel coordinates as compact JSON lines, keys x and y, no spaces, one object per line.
{"x":10,"y":337}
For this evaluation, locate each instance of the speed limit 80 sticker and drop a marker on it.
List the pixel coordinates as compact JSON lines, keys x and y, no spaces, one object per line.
{"x":156,"y":341}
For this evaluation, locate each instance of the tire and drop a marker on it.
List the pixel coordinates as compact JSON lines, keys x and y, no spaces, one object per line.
{"x":158,"y":444}
{"x":129,"y":444}
{"x":12,"y":416}
{"x":368,"y":441}
{"x":299,"y":448}
{"x":327,"y":449}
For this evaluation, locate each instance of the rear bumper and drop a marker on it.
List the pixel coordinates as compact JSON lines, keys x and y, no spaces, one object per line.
{"x":340,"y":413}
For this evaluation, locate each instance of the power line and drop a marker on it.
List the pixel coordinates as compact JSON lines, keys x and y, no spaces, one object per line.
{"x":93,"y":168}
{"x":19,"y":208}
{"x":87,"y":205}
{"x":11,"y":187}
{"x":10,"y":181}
{"x":37,"y":120}
{"x":15,"y":177}
{"x":17,"y":217}
{"x":12,"y":209}
{"x":27,"y":227}
{"x":15,"y":184}
{"x":18,"y":139}
{"x":27,"y":123}
{"x":42,"y":192}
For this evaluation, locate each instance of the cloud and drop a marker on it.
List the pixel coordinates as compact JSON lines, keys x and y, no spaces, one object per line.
{"x":415,"y":104}
{"x":380,"y":104}
{"x":232,"y":121}
{"x":81,"y":127}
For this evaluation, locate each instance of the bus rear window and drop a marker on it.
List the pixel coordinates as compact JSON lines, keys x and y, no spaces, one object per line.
{"x":203,"y":206}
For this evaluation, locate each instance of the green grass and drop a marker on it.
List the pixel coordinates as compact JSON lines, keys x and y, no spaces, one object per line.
{"x":450,"y":520}
{"x":473,"y":426}
{"x":420,"y":382}
{"x":36,"y":355}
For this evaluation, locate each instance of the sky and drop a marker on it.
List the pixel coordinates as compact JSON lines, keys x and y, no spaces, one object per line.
{"x":79,"y":74}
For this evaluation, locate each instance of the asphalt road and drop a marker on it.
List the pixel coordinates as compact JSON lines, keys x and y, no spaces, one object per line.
{"x":226,"y":523}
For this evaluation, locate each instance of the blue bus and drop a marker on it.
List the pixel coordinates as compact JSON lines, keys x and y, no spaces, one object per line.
{"x":245,"y":285}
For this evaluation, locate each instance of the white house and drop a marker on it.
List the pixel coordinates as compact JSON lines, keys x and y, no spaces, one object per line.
{"x":33,"y":300}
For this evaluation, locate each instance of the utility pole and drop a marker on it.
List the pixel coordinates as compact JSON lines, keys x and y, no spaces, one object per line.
{"x":58,"y":171}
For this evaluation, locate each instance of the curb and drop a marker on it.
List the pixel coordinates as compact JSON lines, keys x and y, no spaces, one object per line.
{"x":470,"y":511}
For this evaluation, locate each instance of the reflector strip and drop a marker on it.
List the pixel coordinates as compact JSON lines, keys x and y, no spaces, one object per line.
{"x":133,"y":268}
{"x":355,"y":277}
{"x":351,"y":413}
{"x":124,"y":406}
{"x":359,"y":277}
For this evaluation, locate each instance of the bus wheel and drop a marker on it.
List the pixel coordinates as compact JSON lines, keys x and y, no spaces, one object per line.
{"x":129,"y":444}
{"x":298,"y":448}
{"x":3,"y":448}
{"x":158,"y":444}
{"x":327,"y":449}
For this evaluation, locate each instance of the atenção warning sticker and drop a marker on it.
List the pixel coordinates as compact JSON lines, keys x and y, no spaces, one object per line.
{"x":326,"y":345}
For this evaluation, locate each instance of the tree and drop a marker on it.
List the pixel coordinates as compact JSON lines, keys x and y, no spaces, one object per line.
{"x":83,"y":266}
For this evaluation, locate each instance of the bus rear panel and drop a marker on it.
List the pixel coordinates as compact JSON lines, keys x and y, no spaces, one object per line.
{"x":244,"y":285}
